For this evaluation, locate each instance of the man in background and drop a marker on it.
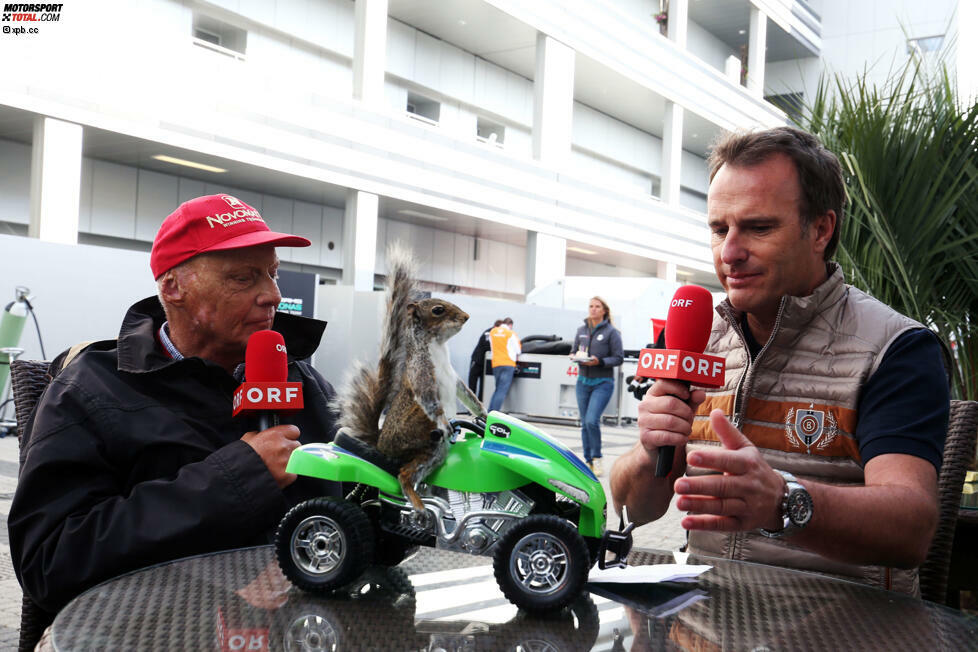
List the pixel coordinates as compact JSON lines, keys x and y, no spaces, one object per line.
{"x":477,"y":362}
{"x":505,"y":345}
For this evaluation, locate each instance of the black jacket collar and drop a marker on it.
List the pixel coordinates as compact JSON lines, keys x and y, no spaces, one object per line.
{"x":140,"y":351}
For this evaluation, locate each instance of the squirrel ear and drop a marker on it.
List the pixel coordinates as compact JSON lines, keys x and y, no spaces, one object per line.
{"x":412,"y":309}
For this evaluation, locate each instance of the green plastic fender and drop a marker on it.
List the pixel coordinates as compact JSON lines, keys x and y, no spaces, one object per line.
{"x":330,"y":462}
{"x":514,"y":453}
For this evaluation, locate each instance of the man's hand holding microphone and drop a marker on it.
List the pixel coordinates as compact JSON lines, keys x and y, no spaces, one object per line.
{"x":265,"y":393}
{"x":745,"y":493}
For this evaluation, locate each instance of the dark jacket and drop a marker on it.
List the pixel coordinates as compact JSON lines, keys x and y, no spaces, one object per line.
{"x":134,"y":459}
{"x":604,"y":342}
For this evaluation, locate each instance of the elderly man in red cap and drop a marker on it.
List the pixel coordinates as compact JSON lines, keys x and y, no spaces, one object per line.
{"x":134,"y":457}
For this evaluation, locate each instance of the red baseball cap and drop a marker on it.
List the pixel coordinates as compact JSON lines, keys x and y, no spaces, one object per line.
{"x":212,"y":223}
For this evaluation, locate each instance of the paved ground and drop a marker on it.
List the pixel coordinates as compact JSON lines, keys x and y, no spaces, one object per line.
{"x":663,"y":534}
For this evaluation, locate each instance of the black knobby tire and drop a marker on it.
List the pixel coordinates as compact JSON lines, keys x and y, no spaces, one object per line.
{"x":324,"y":543}
{"x":541,"y":563}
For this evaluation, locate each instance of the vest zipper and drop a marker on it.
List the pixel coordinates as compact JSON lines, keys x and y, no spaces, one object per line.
{"x":747,"y":379}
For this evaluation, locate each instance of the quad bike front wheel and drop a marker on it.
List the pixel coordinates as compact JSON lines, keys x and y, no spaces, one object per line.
{"x":541,"y":563}
{"x":324,"y":543}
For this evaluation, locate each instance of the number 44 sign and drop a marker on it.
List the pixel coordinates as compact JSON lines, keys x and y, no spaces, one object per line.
{"x":572,"y":370}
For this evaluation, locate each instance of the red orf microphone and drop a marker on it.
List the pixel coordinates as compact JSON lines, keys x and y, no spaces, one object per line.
{"x":266,"y":390}
{"x":688,"y":327}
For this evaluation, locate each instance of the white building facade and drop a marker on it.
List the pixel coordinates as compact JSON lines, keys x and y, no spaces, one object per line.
{"x":509,"y":143}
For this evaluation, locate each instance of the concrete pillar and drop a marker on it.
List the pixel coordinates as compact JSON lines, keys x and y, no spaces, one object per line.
{"x":672,"y":153}
{"x":369,"y":51}
{"x":678,"y":22}
{"x":967,"y":50}
{"x":360,"y":240}
{"x":553,"y":100}
{"x":546,"y":259}
{"x":56,"y":160}
{"x":666,"y":270}
{"x":756,"y":51}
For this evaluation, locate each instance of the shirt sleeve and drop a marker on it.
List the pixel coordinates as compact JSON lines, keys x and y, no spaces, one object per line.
{"x":904,"y":406}
{"x":616,"y":354}
{"x":513,"y":347}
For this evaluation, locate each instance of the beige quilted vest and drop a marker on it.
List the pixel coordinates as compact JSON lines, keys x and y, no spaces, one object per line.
{"x":797,"y":402}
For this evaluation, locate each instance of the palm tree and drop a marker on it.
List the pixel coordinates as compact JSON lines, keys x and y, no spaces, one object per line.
{"x":910,"y":235}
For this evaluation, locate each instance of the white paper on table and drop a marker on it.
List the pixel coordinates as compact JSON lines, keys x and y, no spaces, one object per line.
{"x":648,"y":574}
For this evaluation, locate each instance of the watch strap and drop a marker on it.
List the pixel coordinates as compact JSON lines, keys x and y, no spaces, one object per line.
{"x":787,"y":526}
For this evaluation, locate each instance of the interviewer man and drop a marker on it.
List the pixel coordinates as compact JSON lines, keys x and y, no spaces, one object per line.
{"x":134,"y":457}
{"x":825,"y":441}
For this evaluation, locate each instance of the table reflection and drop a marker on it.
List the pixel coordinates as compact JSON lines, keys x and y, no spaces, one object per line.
{"x":437,"y":600}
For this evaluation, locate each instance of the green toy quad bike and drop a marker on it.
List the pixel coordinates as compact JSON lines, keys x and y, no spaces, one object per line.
{"x":505,"y":489}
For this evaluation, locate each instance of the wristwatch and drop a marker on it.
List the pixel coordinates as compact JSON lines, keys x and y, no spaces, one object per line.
{"x":796,"y":507}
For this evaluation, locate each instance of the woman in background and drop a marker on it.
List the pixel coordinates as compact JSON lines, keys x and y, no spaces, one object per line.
{"x":599,"y":351}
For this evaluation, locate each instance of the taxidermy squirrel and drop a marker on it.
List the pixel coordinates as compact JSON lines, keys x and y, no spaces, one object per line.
{"x":414,"y":381}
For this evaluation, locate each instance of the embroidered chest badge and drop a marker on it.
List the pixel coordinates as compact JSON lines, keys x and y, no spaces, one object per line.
{"x":809,"y":427}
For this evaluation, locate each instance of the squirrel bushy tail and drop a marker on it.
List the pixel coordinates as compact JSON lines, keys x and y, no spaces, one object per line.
{"x":369,"y":391}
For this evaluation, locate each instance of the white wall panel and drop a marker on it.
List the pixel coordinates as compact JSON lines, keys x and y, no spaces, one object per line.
{"x":113,"y":200}
{"x":277,"y":213}
{"x":457,"y":73}
{"x":497,"y":262}
{"x":443,"y":257}
{"x":518,"y":141}
{"x":84,"y":197}
{"x":338,"y":32}
{"x":422,"y":240}
{"x":380,"y":265}
{"x":708,"y":48}
{"x":188,"y":189}
{"x":427,"y":60}
{"x":490,"y":87}
{"x":15,"y":181}
{"x":480,"y":264}
{"x":462,"y":265}
{"x":400,"y":49}
{"x":290,"y":16}
{"x":515,"y":269}
{"x":694,"y":172}
{"x":399,"y":232}
{"x":332,"y":233}
{"x":156,"y":197}
{"x":261,"y":11}
{"x":307,"y":221}
{"x":315,"y":26}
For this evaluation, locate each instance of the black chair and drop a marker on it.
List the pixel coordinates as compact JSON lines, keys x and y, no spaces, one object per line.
{"x":959,"y":454}
{"x":28,"y":378}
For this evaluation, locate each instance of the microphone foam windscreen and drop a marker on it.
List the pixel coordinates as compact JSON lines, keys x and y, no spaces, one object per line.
{"x":690,"y":319}
{"x":265,"y":358}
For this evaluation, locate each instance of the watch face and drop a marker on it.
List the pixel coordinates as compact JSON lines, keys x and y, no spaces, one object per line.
{"x":799,"y":507}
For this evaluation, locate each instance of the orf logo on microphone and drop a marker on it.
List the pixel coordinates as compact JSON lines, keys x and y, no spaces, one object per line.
{"x":809,"y":425}
{"x":278,"y":397}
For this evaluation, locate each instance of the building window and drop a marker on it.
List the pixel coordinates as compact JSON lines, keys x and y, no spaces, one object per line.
{"x":925,"y":44}
{"x":487,"y":131}
{"x":423,"y":108}
{"x":220,"y":37}
{"x":791,"y":103}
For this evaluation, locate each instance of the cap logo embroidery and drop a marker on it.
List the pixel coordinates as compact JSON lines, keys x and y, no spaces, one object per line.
{"x":233,"y":202}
